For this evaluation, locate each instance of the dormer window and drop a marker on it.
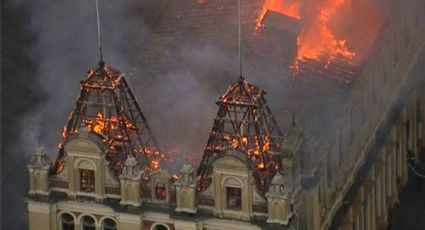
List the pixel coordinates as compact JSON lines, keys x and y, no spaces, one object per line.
{"x":233,"y":198}
{"x":160,"y":192}
{"x":86,"y":180}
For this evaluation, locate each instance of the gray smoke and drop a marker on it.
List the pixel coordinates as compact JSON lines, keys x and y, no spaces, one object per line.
{"x":65,"y":47}
{"x":61,"y":46}
{"x":178,"y":103}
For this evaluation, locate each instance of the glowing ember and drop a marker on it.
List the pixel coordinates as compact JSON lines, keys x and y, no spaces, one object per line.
{"x":154,"y":164}
{"x":235,"y":143}
{"x":99,"y":124}
{"x":261,"y":165}
{"x":316,"y":40}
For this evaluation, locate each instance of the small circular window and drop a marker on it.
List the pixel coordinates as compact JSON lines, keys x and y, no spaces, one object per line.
{"x":160,"y":227}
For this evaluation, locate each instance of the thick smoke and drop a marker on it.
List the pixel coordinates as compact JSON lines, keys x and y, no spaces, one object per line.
{"x":179,"y":104}
{"x":62,"y":46}
{"x":65,"y":48}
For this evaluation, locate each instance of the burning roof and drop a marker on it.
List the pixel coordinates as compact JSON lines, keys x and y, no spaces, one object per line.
{"x":108,"y":109}
{"x":267,"y":53}
{"x":244,"y":122}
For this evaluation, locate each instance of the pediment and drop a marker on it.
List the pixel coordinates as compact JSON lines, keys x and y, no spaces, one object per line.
{"x":160,"y":174}
{"x":230,"y":162}
{"x":82,"y":146}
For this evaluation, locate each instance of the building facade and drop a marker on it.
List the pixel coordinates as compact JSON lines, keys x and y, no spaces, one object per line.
{"x":252,"y":175}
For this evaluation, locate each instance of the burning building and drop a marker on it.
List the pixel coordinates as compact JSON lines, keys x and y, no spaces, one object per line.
{"x":332,"y":155}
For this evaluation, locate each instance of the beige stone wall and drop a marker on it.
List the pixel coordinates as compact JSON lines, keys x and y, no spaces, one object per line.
{"x":41,"y":216}
{"x":374,"y":95}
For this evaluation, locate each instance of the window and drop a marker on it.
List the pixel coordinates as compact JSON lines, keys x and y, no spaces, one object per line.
{"x":363,"y":110}
{"x":418,"y":119}
{"x":109,"y":224}
{"x":340,"y":148}
{"x":160,"y":227}
{"x":160,"y":192}
{"x":398,"y":155}
{"x":88,"y":223}
{"x":378,"y":196}
{"x":373,"y":89}
{"x":233,"y":198}
{"x":329,"y":168}
{"x":86,"y":180}
{"x":67,"y":222}
{"x":407,"y":134}
{"x":418,"y":111}
{"x":351,"y":128}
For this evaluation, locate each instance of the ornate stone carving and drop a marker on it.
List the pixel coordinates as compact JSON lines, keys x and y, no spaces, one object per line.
{"x":185,"y":190}
{"x":279,"y":200}
{"x":39,"y":173}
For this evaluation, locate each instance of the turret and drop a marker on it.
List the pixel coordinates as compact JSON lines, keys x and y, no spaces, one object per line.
{"x":279,"y":200}
{"x":130,"y":183}
{"x":39,"y":173}
{"x":185,"y":190}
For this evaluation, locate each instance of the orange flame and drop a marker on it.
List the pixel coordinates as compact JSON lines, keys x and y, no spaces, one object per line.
{"x":245,"y":141}
{"x":320,"y":40}
{"x":235,"y":143}
{"x":288,"y":7}
{"x":317,"y":40}
{"x":154,"y":164}
{"x":99,"y":124}
{"x":261,"y":165}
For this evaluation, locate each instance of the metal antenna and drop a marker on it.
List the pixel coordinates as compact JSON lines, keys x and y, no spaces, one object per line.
{"x":99,"y":37}
{"x":240,"y":39}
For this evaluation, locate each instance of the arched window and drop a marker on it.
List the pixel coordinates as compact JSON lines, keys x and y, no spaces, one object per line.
{"x":160,"y":227}
{"x":109,"y":224}
{"x":160,"y":192}
{"x":67,"y":222}
{"x":88,"y":223}
{"x":86,"y":180}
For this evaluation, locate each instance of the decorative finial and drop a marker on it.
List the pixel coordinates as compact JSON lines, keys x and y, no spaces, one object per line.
{"x":240,"y":41}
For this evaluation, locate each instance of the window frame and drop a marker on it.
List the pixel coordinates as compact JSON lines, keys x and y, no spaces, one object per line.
{"x":238,"y":198}
{"x":91,"y":180}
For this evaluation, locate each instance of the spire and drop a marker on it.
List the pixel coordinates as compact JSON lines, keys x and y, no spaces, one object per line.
{"x":244,"y":122}
{"x":99,"y":37}
{"x":107,"y":110}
